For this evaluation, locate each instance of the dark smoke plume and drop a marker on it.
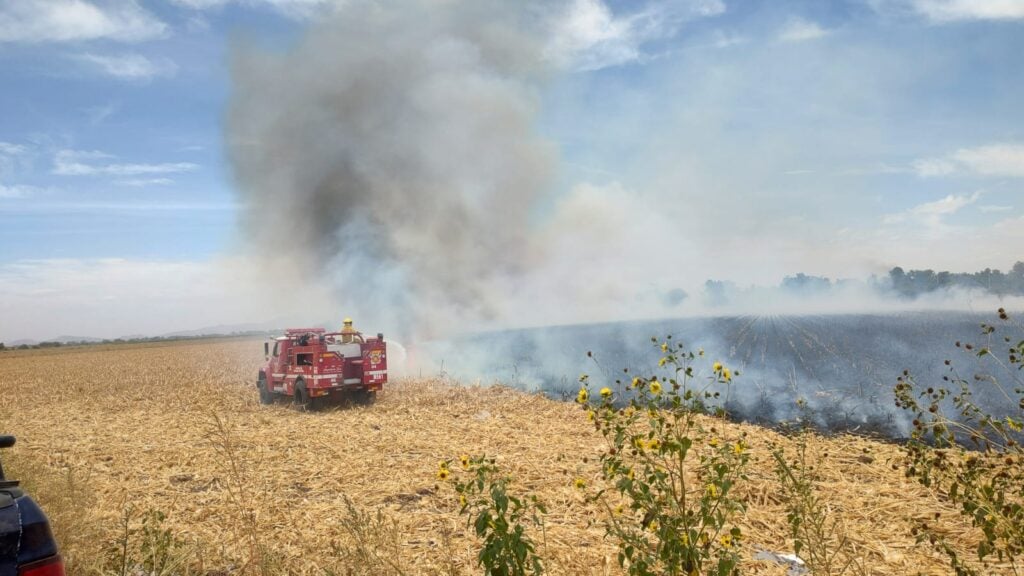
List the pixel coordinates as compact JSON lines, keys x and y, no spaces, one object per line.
{"x":393,"y":151}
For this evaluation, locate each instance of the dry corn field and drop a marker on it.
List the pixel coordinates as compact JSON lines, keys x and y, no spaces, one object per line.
{"x":106,"y":434}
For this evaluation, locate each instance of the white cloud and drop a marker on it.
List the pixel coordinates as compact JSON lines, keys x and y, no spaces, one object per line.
{"x":709,"y":7}
{"x":292,"y":8}
{"x":878,"y":168}
{"x":799,"y":30}
{"x":587,"y":35}
{"x":994,"y":160}
{"x":77,"y":163}
{"x":142,"y":182}
{"x":16,"y":191}
{"x":591,"y":37}
{"x":9,"y":156}
{"x":993,"y":208}
{"x":35,"y":21}
{"x":1005,"y":160}
{"x":951,"y":204}
{"x":954,"y":10}
{"x":725,"y":39}
{"x":929,"y":167}
{"x":932,"y":214}
{"x":8,"y":149}
{"x":201,"y":4}
{"x":128,"y":66}
{"x":14,"y":159}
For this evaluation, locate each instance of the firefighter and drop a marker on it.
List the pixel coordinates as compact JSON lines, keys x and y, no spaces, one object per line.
{"x":348,"y":332}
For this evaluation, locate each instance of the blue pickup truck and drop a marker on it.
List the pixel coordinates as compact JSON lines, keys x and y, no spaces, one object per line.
{"x":27,"y":547}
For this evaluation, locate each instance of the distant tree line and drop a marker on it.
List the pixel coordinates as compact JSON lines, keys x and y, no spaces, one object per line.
{"x":32,"y":346}
{"x":906,"y":284}
{"x":913,"y":283}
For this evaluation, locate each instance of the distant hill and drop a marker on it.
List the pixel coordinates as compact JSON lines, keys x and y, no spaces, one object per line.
{"x":219,"y":330}
{"x":70,"y":339}
{"x":224,"y":329}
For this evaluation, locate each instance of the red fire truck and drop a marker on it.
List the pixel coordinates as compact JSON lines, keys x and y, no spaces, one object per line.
{"x":311,"y":364}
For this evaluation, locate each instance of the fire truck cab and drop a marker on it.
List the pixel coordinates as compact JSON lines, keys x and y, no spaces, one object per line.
{"x":311,"y":364}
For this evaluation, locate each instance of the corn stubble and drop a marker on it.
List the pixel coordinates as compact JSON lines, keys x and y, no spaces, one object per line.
{"x":107,"y":433}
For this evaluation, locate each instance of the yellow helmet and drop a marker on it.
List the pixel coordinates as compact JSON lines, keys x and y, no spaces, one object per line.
{"x":348,"y":321}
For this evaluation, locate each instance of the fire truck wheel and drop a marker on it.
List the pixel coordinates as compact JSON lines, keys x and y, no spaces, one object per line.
{"x":302,"y":399}
{"x":364,"y":397}
{"x":266,"y":396}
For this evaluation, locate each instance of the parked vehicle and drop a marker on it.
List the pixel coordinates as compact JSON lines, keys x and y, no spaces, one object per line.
{"x":27,"y":547}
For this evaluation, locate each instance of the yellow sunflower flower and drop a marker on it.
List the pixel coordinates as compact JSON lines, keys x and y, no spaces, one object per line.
{"x":606,"y":392}
{"x":655,"y":387}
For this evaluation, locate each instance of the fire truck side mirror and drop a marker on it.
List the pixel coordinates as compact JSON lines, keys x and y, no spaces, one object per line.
{"x":266,"y":349}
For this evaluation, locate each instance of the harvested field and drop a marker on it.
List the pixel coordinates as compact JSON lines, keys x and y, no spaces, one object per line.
{"x":262,"y":489}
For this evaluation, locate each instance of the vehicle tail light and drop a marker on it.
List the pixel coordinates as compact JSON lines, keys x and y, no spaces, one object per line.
{"x":52,"y":566}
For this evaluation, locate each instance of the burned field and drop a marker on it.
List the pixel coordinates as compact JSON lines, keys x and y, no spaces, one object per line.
{"x":843,"y":366}
{"x":108,"y":434}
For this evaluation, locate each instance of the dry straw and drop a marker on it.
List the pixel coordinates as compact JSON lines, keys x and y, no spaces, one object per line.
{"x":266,"y":489}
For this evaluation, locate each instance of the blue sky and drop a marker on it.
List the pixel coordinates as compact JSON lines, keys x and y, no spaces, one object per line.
{"x":837,"y":138}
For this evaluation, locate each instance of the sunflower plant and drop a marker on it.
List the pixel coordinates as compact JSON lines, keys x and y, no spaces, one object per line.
{"x":499,"y":517}
{"x":969,"y":456}
{"x":674,"y":471}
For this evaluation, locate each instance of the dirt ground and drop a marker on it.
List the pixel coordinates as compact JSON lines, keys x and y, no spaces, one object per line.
{"x":176,"y":427}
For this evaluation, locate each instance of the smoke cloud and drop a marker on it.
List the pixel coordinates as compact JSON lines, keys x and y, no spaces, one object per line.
{"x":393,"y":153}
